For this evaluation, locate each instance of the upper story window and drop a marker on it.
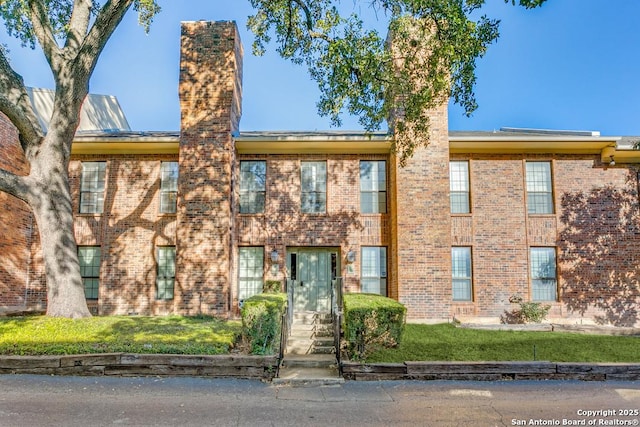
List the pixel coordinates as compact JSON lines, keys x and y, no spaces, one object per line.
{"x":168,"y":187}
{"x":459,"y":187}
{"x":543,"y":274}
{"x":92,"y":187}
{"x":539,"y":188}
{"x":373,"y":186}
{"x":313,"y":179}
{"x":253,"y":185}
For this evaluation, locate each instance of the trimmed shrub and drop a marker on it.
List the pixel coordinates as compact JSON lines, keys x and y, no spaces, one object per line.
{"x":371,"y":322}
{"x":272,"y":287}
{"x":529,"y":312}
{"x":262,"y":322}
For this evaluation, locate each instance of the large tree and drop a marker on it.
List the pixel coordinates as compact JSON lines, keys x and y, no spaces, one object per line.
{"x":72,"y":34}
{"x":352,"y":65}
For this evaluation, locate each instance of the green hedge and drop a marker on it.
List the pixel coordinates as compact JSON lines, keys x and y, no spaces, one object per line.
{"x":262,"y":322}
{"x":371,"y":322}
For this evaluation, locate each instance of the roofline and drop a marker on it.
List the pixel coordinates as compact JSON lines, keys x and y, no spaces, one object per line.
{"x":359,"y":142}
{"x":126,"y":143}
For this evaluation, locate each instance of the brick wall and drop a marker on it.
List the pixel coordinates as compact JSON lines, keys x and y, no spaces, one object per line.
{"x":210,"y":91}
{"x":422,"y":226}
{"x":595,"y":228}
{"x":16,"y":224}
{"x":283,"y":226}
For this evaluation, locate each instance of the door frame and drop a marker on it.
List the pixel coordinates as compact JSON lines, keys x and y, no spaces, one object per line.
{"x":292,"y":278}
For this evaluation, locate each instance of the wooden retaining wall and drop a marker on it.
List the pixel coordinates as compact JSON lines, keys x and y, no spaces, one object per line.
{"x":491,"y":371}
{"x":123,"y":364}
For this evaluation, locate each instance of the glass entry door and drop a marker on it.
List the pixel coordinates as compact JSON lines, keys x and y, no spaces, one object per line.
{"x":310,"y":272}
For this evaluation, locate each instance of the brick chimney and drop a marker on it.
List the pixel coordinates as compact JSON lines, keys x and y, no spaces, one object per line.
{"x":210,"y":101}
{"x":421,"y":215}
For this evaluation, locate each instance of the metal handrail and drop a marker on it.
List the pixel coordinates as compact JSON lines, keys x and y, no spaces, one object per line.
{"x":336,"y":312}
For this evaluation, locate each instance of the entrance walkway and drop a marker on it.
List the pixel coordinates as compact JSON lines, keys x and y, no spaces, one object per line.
{"x":310,"y":354}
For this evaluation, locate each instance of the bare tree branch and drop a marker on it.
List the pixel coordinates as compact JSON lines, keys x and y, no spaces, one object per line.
{"x":79,"y":23}
{"x":16,"y":105}
{"x":106,"y":22}
{"x":14,"y":184}
{"x":43,"y":31}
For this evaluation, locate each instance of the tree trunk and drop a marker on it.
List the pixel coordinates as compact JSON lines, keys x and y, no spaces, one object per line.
{"x":52,"y":207}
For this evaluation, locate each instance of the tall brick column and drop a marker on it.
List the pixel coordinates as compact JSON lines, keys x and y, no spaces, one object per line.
{"x":421,"y":215}
{"x":421,"y":226}
{"x":210,"y":101}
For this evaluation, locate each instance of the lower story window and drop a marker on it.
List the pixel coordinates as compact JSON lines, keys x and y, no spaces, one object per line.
{"x":544,"y":284}
{"x":461,"y":273}
{"x":89,"y":257}
{"x":166,"y":277}
{"x":373,"y":277}
{"x":250,"y":272}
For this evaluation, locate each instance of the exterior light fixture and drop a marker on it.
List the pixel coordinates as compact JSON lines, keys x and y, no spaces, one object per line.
{"x":351,"y":257}
{"x":612,"y":162}
{"x":275,"y":256}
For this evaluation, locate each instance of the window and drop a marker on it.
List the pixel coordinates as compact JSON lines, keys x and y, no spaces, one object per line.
{"x":253,"y":184}
{"x":373,"y":187}
{"x":374,"y":270}
{"x":251,"y":272}
{"x":461,"y":273}
{"x":168,"y":187}
{"x":459,"y":187}
{"x":89,"y":257}
{"x":314,"y":187}
{"x":539,"y":194}
{"x":166,"y":278}
{"x":543,"y":274}
{"x":92,"y":187}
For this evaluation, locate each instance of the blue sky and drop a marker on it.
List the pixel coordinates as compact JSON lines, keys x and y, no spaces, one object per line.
{"x":571,"y":64}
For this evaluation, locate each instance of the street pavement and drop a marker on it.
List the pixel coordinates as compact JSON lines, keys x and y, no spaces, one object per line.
{"x":33,"y":400}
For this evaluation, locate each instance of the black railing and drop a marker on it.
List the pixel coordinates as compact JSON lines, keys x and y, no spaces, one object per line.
{"x":285,"y":321}
{"x":336,"y":314}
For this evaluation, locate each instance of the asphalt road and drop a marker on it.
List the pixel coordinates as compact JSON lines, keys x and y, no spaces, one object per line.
{"x":32,"y":400}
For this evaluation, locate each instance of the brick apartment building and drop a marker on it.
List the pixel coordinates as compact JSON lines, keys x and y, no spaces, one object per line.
{"x":195,"y":221}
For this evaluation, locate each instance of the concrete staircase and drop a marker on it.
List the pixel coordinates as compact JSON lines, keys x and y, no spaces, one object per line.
{"x":309,"y":359}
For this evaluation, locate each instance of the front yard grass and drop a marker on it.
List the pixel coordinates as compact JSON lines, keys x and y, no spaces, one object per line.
{"x":445,"y":342}
{"x":39,"y":335}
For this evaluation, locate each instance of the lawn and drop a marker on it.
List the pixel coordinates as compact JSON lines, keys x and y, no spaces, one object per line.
{"x":445,"y":342}
{"x":36,"y":335}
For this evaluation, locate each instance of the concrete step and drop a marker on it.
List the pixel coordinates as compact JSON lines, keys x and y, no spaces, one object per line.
{"x":302,"y":348}
{"x":325,"y":361}
{"x":310,"y":318}
{"x":307,"y":377}
{"x":311,"y":335}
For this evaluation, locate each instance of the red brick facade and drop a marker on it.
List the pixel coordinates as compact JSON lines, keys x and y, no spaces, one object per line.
{"x":16,"y":225}
{"x":594,"y":227}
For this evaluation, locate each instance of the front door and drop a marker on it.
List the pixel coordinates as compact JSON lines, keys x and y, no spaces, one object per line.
{"x":311,"y":271}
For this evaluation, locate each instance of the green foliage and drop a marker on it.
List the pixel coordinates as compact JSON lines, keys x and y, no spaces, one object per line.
{"x":435,"y":47}
{"x":272,"y":286}
{"x":529,"y":312}
{"x":262,"y":322}
{"x":17,"y":16}
{"x":371,"y":322}
{"x":38,"y":335}
{"x":444,"y":342}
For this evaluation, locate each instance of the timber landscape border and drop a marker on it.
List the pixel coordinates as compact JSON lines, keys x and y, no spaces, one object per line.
{"x":265,"y":368}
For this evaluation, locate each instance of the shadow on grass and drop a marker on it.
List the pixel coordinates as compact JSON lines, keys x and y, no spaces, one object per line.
{"x":445,"y":342}
{"x":173,"y":335}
